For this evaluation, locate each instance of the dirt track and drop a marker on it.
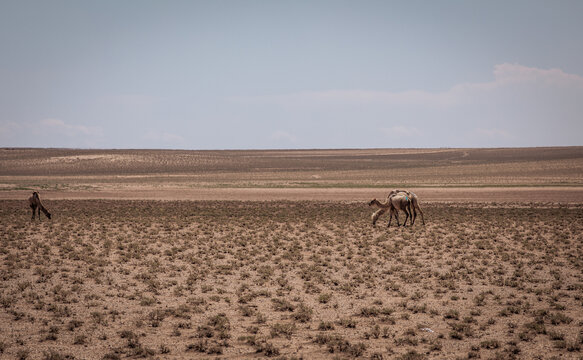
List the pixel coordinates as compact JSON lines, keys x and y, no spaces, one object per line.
{"x":564,"y":195}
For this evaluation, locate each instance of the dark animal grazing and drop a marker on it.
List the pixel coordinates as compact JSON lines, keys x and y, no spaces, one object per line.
{"x":36,"y":204}
{"x":414,"y":203}
{"x":394,"y":204}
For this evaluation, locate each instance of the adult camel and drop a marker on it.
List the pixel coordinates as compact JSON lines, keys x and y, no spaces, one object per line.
{"x":414,"y":202}
{"x":36,"y":204}
{"x":393,"y":205}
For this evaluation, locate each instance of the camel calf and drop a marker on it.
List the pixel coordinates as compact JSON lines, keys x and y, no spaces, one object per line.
{"x":36,"y":204}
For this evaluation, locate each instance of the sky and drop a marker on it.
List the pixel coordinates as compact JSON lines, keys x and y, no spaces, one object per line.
{"x":265,"y":74}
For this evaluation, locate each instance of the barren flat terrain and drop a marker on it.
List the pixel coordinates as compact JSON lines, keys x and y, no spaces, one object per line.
{"x":485,"y":175}
{"x":255,"y":254}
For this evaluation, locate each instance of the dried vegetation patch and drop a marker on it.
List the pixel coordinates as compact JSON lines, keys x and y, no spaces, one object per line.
{"x":117,"y":279}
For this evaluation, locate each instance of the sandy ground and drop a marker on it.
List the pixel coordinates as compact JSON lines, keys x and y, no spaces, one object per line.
{"x":110,"y":279}
{"x":525,"y":175}
{"x":272,"y":255}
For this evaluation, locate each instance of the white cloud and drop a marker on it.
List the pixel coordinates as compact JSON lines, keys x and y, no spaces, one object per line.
{"x":504,"y":75}
{"x":361,"y":97}
{"x":61,"y":127}
{"x":493,"y":133}
{"x":515,"y":73}
{"x":49,"y":132}
{"x":520,"y":106}
{"x":161,"y":138}
{"x":8,"y":129}
{"x":283,"y":136}
{"x":400,"y":131}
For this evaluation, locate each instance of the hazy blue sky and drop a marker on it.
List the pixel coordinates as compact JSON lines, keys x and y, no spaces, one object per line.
{"x":290,"y":74}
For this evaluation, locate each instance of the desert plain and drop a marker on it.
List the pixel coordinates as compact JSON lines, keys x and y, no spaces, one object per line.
{"x":271,"y":254}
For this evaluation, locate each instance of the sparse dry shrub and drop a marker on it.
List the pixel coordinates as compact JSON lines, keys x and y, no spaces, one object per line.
{"x":537,"y":326}
{"x":461,"y":330}
{"x":205,"y":331}
{"x":80,"y":339}
{"x":291,"y":262}
{"x":325,"y":326}
{"x":336,"y":343}
{"x":247,"y":310}
{"x":373,"y":333}
{"x":451,"y":314}
{"x":374,"y":311}
{"x":268,"y":349}
{"x":324,"y":298}
{"x":155,"y":317}
{"x":283,"y":329}
{"x":303,"y":313}
{"x":559,"y":318}
{"x":220,"y":322}
{"x":205,"y":346}
{"x":412,"y":355}
{"x":22,"y":354}
{"x":282,"y":305}
{"x":164,"y":349}
{"x":54,"y":355}
{"x":347,"y":323}
{"x":490,"y":344}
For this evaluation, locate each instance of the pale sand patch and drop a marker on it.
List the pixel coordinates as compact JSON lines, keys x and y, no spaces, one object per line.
{"x":79,"y":157}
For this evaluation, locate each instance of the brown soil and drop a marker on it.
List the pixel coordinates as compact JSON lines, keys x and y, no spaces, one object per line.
{"x":272,"y":254}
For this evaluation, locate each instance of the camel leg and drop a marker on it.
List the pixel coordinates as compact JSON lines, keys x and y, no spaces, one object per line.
{"x":422,"y":218}
{"x":407,"y":211}
{"x":397,"y":218}
{"x":33,"y":209}
{"x":45,"y":211}
{"x":413,"y":217}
